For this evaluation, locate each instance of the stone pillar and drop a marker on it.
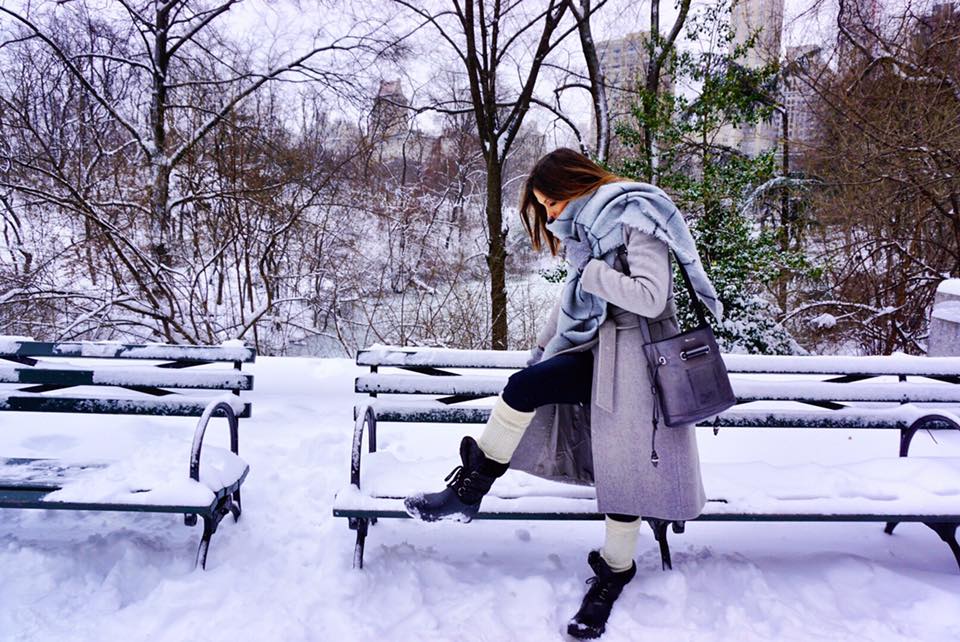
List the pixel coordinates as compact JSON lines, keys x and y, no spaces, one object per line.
{"x":944,"y":338}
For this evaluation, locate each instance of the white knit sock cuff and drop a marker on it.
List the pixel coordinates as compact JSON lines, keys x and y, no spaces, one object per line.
{"x":620,"y":544}
{"x":503,"y":431}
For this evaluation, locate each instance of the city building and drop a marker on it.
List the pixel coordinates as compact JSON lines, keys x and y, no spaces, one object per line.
{"x":938,"y":26}
{"x":624,"y":64}
{"x":765,"y":18}
{"x":801,"y":65}
{"x":390,"y":116}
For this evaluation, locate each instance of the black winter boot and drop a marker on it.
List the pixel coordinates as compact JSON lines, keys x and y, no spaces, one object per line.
{"x":605,"y":587}
{"x":466,"y":486}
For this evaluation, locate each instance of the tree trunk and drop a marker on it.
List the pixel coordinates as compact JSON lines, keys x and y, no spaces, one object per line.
{"x":598,"y":90}
{"x":786,"y":224}
{"x":657,"y":52}
{"x":161,"y":167}
{"x":496,"y":253}
{"x":652,"y":89}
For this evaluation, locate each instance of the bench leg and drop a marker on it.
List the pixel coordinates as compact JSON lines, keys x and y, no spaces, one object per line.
{"x":659,"y":527}
{"x":362,"y":525}
{"x":235,"y":508}
{"x":948,"y":533}
{"x":906,"y":437}
{"x":209,"y":528}
{"x":223,"y":508}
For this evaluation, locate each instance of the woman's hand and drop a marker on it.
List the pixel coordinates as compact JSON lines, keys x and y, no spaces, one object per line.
{"x":579,"y":253}
{"x":536,"y":354}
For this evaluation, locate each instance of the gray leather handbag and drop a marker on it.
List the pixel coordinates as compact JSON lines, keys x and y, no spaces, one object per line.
{"x":689,"y":379}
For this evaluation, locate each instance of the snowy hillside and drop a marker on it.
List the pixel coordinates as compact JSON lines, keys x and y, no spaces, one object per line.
{"x":284,"y":571}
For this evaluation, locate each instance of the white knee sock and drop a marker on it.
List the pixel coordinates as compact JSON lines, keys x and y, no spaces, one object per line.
{"x":620,"y":544}
{"x":503,"y":431}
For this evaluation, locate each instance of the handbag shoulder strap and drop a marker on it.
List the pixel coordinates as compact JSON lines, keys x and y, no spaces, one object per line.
{"x":694,"y":298}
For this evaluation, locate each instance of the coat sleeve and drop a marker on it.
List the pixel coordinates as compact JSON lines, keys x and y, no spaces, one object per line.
{"x":550,"y":328}
{"x":646,"y":290}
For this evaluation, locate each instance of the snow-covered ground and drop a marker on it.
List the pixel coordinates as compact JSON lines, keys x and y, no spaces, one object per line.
{"x":284,"y":571}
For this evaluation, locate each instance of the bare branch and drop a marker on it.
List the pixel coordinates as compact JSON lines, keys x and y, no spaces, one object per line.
{"x":81,"y":79}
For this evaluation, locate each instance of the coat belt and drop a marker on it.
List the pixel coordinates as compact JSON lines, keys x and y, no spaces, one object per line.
{"x":606,"y":361}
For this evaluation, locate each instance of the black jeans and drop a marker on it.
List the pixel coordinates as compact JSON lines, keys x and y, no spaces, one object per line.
{"x":565,"y":378}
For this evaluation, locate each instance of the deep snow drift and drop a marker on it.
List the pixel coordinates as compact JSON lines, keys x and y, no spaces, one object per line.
{"x":284,"y":571}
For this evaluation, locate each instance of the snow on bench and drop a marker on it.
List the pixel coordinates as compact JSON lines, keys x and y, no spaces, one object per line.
{"x":904,"y":489}
{"x":756,"y":415}
{"x":25,"y":347}
{"x":145,"y":479}
{"x":112,"y":378}
{"x":745,"y":389}
{"x":895,"y":364}
{"x":105,"y":375}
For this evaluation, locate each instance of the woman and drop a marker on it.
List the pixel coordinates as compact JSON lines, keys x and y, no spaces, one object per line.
{"x":589,"y":357}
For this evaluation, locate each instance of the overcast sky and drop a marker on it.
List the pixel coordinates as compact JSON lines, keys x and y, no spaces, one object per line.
{"x":282,"y":29}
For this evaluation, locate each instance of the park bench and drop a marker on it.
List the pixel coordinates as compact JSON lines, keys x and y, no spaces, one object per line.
{"x":897,"y":392}
{"x":116,"y":379}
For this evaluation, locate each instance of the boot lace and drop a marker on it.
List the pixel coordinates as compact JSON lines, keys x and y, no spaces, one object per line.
{"x":455,"y":475}
{"x":599,"y":591}
{"x":459,"y":481}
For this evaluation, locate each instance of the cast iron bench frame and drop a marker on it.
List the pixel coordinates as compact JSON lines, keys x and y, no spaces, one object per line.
{"x":448,"y":389}
{"x":41,"y":369}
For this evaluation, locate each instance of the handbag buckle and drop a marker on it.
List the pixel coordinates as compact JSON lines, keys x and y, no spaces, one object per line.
{"x":696,"y":352}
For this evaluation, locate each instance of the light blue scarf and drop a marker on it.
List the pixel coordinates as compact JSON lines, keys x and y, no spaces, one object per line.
{"x":600,"y":217}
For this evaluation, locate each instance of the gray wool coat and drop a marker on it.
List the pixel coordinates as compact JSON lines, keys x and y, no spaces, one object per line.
{"x":609,"y":444}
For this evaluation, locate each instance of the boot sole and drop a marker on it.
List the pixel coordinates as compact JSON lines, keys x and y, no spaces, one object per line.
{"x":452,"y":517}
{"x":578,"y":633}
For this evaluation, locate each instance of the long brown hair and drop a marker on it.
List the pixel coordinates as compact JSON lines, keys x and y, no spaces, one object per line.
{"x":561,"y":175}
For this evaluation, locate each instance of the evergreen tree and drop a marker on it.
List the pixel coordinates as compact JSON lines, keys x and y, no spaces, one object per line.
{"x":713,"y":184}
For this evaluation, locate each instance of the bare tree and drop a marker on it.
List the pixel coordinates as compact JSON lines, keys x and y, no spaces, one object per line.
{"x":595,"y":83}
{"x":889,"y":126}
{"x":130,"y":103}
{"x":646,"y":88}
{"x":495,"y":41}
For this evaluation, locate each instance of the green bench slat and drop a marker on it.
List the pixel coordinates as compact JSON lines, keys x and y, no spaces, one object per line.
{"x":706,"y":517}
{"x":729,"y":419}
{"x":33,"y":498}
{"x":449,"y":414}
{"x":387,"y":514}
{"x":745,"y":389}
{"x":49,"y":475}
{"x":104,"y":350}
{"x":152,"y":376}
{"x":786,"y":421}
{"x":161,"y":407}
{"x":18,"y":498}
{"x":868,"y":366}
{"x":410,"y":357}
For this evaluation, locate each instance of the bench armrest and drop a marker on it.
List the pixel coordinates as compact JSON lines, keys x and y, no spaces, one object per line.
{"x":940,"y":418}
{"x":224,"y":406}
{"x":937,"y":416}
{"x":365,"y":417}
